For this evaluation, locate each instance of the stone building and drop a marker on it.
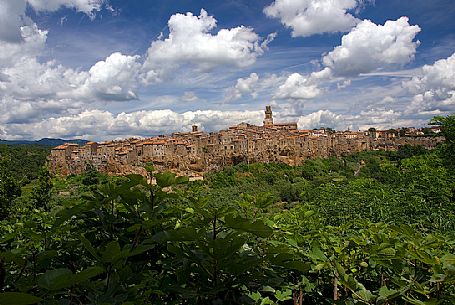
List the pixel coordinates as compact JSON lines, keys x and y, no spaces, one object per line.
{"x":196,"y":152}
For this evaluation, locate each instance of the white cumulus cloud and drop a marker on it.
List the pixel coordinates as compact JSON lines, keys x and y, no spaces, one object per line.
{"x":190,"y":42}
{"x":433,"y":87}
{"x":380,"y":118}
{"x":309,"y":17}
{"x":115,"y":78}
{"x":32,"y":43}
{"x":370,"y":47}
{"x":298,"y":87}
{"x":321,"y":118}
{"x":101,"y":125}
{"x":247,"y":85}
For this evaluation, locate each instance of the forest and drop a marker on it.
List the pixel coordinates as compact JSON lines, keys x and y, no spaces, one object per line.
{"x":374,"y":227}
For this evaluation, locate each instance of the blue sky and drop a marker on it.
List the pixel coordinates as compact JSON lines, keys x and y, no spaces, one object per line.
{"x":104,"y":69}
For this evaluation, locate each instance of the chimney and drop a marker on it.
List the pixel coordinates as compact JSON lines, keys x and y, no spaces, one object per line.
{"x":194,"y":128}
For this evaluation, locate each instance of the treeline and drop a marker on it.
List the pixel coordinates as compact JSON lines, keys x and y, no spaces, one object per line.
{"x":409,"y":186}
{"x":23,"y":162}
{"x":371,"y":228}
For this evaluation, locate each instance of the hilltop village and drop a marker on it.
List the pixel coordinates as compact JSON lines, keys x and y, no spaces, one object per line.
{"x":195,"y":153}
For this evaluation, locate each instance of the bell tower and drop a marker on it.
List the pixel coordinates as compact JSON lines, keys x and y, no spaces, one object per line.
{"x":268,"y":119}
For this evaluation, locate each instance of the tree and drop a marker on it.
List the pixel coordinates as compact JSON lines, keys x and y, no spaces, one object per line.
{"x":447,"y":127}
{"x":402,"y":132}
{"x":9,"y":189}
{"x":41,"y":192}
{"x":448,"y":131}
{"x":91,"y":175}
{"x":372,"y":131}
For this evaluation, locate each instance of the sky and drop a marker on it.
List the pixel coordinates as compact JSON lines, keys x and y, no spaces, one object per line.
{"x":113,"y":69}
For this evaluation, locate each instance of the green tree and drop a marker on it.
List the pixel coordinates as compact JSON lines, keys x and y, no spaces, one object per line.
{"x":41,"y":192}
{"x":91,"y":175}
{"x":448,"y":131}
{"x":9,"y":189}
{"x":447,"y":127}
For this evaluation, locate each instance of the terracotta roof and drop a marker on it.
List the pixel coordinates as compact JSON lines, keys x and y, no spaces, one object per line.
{"x":60,"y":147}
{"x":154,"y":143}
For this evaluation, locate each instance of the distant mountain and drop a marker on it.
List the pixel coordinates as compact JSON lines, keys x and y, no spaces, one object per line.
{"x":43,"y":142}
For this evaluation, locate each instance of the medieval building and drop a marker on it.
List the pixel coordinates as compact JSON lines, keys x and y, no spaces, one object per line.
{"x":196,"y":152}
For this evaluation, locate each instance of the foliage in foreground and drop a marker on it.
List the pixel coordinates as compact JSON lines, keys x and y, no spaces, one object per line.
{"x":24,"y":162}
{"x":371,"y":228}
{"x":127,"y":242}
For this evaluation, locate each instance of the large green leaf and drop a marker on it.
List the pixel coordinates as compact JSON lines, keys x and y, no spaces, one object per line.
{"x":317,"y":255}
{"x":181,"y":234}
{"x":87,"y":274}
{"x":386,"y":294}
{"x":257,"y":227}
{"x":17,"y":298}
{"x":88,"y":245}
{"x":387,"y":252}
{"x":112,"y":252}
{"x":56,"y":279}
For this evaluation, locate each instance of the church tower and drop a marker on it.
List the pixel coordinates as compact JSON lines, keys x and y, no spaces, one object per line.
{"x":268,"y":119}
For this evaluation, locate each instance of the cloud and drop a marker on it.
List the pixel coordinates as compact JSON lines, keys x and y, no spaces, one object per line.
{"x":115,"y":78}
{"x":370,"y":47}
{"x":17,"y":111}
{"x":254,"y":85}
{"x":309,"y":17}
{"x":13,"y":17}
{"x":30,"y":80}
{"x":298,"y":87}
{"x":12,"y":14}
{"x":32,"y":43}
{"x":440,"y":75}
{"x":190,"y":42}
{"x":98,"y":124}
{"x":189,"y":96}
{"x":44,"y":98}
{"x":85,"y":6}
{"x":31,"y":91}
{"x":433,"y":87}
{"x":385,"y":118}
{"x":244,"y":86}
{"x":380,"y":118}
{"x":321,"y":118}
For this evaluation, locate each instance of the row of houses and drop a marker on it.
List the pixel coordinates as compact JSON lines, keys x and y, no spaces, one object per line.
{"x":196,"y":152}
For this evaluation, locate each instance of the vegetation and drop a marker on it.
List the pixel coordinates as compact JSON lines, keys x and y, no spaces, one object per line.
{"x":23,"y":162}
{"x":370,"y":228}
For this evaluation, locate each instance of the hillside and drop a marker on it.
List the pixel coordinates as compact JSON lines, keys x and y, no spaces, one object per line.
{"x":44,"y":142}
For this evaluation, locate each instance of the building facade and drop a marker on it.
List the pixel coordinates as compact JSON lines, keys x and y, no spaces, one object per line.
{"x":195,"y":153}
